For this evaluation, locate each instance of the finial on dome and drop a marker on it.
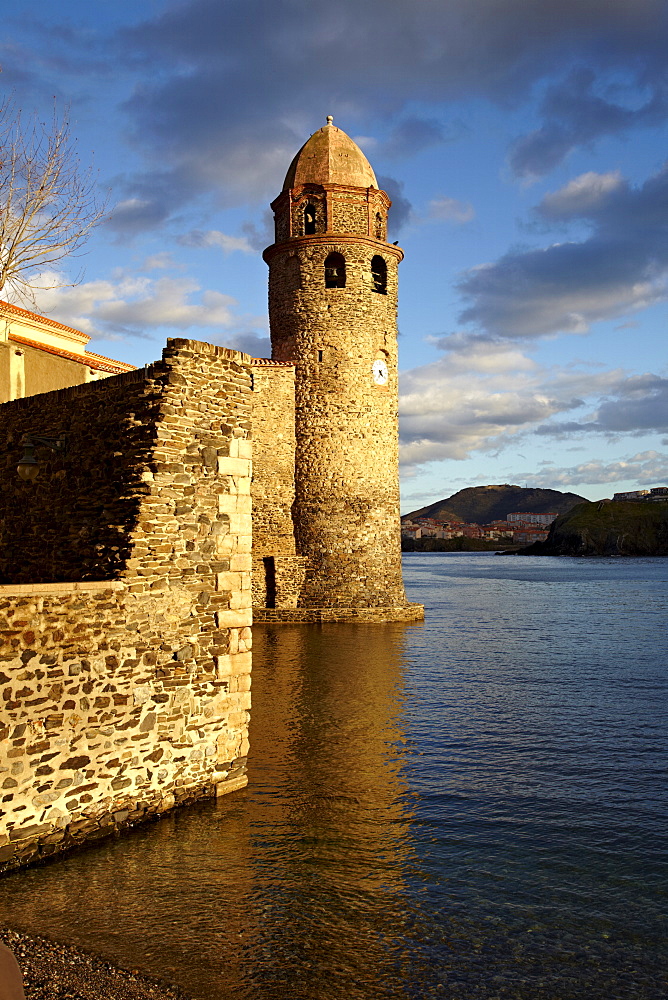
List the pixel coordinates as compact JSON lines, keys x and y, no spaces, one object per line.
{"x":330,"y":120}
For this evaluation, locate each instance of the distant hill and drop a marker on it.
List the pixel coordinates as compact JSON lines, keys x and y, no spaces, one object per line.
{"x":608,"y":529}
{"x":481,"y":504}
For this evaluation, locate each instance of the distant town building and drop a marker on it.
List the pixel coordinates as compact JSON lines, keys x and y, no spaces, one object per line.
{"x":656,"y":493}
{"x":526,"y":536}
{"x":525,"y":517}
{"x":631,"y":495}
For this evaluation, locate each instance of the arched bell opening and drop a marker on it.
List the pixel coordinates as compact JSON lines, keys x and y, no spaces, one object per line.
{"x":335,"y":271}
{"x":379,"y":274}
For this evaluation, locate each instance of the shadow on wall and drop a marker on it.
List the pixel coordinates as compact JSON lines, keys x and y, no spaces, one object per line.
{"x":76,"y":520}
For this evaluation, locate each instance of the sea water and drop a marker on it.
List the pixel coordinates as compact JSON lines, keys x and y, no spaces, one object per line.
{"x":473,"y":807}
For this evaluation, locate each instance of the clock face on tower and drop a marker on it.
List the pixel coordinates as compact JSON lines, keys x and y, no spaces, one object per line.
{"x":380,"y":375}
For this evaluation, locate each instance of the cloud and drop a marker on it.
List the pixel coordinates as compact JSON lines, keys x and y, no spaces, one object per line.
{"x":229,"y":90}
{"x":162,"y":261}
{"x":484,"y":394}
{"x":582,"y":196}
{"x":620,"y":268}
{"x":636,"y":405}
{"x":214,"y":238}
{"x":139,"y":306}
{"x":250,"y":343}
{"x":402,"y":210}
{"x":646,"y":469}
{"x":575,"y":115}
{"x":262,"y":235}
{"x":411,"y":135}
{"x":450,"y":210}
{"x":135,"y":215}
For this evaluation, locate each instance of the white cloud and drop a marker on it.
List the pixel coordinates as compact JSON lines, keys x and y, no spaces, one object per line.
{"x":214,"y":238}
{"x":135,"y":306}
{"x":581,"y":195}
{"x":248,"y":342}
{"x":620,"y":268}
{"x":485,"y":394}
{"x":163,"y":261}
{"x":449,"y":210}
{"x":646,"y":469}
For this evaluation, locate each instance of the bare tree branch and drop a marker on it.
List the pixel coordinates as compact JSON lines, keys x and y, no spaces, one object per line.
{"x":48,"y":202}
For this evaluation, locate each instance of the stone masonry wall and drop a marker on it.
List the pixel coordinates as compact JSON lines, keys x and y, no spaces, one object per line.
{"x":314,"y":196}
{"x":349,"y":217}
{"x":347,"y":491}
{"x":277,"y":571}
{"x":128,"y":694}
{"x":76,"y":521}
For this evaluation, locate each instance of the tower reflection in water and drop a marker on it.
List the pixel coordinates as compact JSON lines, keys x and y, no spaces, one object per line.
{"x":327,"y":784}
{"x":294,"y":887}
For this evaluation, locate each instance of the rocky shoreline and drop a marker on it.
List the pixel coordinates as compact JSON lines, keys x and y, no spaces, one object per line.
{"x":53,"y":971}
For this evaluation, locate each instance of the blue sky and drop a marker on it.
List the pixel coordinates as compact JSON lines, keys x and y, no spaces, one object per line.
{"x":523,"y":143}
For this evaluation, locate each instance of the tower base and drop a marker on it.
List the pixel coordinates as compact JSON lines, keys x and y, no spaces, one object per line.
{"x":399,"y":613}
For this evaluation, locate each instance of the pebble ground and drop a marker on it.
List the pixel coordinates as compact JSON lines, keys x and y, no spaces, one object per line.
{"x":53,"y":971}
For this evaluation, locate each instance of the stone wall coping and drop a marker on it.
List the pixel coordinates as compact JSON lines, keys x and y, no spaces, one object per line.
{"x":202,"y":347}
{"x":78,"y":586}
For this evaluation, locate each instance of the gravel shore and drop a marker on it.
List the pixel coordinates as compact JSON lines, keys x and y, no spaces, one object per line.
{"x":53,"y":971}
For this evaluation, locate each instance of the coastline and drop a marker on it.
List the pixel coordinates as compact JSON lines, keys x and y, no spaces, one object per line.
{"x":55,"y":971}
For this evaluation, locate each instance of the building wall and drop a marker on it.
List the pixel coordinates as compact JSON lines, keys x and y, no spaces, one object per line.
{"x":5,"y":368}
{"x":127,"y":693}
{"x":46,"y":372}
{"x":38,"y":355}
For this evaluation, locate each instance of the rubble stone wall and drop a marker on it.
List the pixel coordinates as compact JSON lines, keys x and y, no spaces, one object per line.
{"x":125,"y":695}
{"x":278,"y":572}
{"x":346,"y":510}
{"x":76,"y":521}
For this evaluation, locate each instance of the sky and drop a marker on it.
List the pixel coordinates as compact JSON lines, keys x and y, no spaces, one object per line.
{"x":523,"y":143}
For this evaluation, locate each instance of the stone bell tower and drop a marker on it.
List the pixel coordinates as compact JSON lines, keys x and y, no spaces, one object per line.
{"x":332,"y":309}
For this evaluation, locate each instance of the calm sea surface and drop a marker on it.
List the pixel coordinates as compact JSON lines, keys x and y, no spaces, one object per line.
{"x":470,"y":808}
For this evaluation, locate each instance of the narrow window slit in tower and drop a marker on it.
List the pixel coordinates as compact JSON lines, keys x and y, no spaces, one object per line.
{"x":319,"y":355}
{"x":335,"y":271}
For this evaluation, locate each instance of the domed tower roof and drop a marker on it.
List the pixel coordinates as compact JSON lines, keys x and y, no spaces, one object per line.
{"x":330,"y":157}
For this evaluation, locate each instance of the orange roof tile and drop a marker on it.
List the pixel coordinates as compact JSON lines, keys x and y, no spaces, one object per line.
{"x":269,"y":363}
{"x":96,"y":361}
{"x":42,"y":319}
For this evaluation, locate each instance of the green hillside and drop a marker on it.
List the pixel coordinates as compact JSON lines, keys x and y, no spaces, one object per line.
{"x":481,"y":504}
{"x":608,"y":529}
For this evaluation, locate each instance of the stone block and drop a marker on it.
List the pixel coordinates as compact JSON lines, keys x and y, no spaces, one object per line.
{"x":228,"y":503}
{"x":241,"y":562}
{"x":241,"y":524}
{"x":234,"y":618}
{"x":234,"y":467}
{"x":228,"y":581}
{"x":241,"y":599}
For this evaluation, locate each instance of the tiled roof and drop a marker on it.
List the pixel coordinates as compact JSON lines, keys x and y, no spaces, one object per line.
{"x":96,"y":361}
{"x":267,"y":362}
{"x":7,"y":306}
